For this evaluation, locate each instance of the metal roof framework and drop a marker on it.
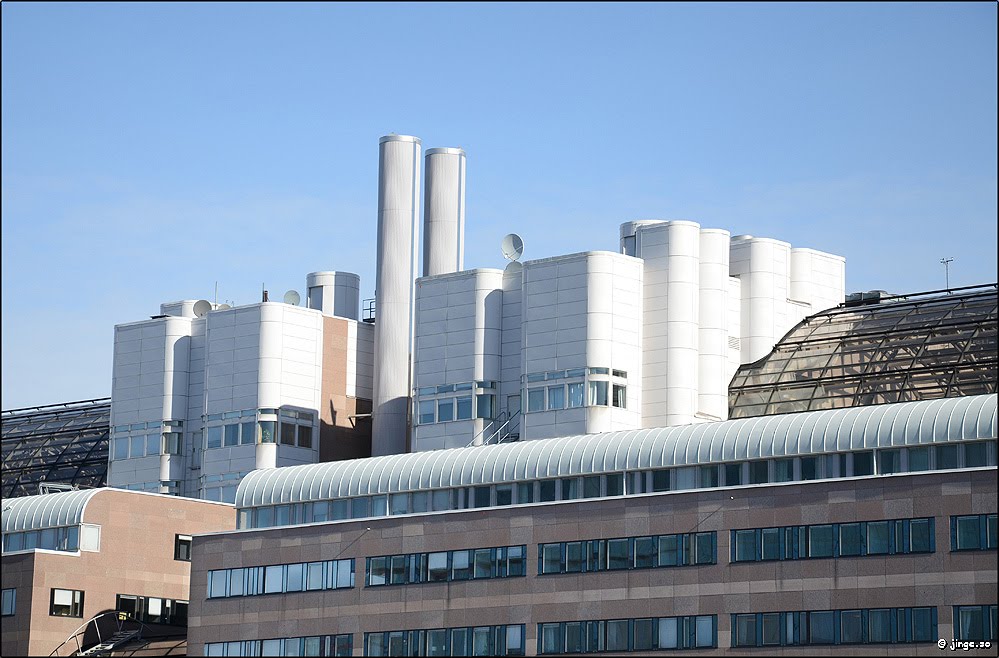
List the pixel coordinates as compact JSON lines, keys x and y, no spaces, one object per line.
{"x":63,"y":444}
{"x":919,"y":347}
{"x":840,"y":430}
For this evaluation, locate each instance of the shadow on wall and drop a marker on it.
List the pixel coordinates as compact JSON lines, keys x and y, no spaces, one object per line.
{"x":346,"y":437}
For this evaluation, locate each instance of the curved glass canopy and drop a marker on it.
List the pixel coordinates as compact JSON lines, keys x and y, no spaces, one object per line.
{"x":56,"y":444}
{"x":919,"y":347}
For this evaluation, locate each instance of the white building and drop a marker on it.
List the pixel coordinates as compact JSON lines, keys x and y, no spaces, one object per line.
{"x":574,"y":344}
{"x":202,"y":395}
{"x":599,"y":341}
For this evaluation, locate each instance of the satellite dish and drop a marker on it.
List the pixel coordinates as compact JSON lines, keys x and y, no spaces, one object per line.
{"x":512,"y":247}
{"x":292,"y":297}
{"x":201,"y":307}
{"x":223,"y":307}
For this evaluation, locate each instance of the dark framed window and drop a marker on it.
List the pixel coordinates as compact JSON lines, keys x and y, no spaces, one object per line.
{"x":66,"y":603}
{"x":182,"y":548}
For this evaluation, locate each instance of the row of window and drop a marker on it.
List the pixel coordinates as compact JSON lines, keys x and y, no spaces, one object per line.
{"x":833,"y":540}
{"x":452,"y":388}
{"x":571,"y":395}
{"x":505,"y":640}
{"x":972,"y":533}
{"x":166,"y":426}
{"x":628,"y":553}
{"x":245,"y":433}
{"x":571,"y":373}
{"x":593,"y":486}
{"x":281,"y":578}
{"x":868,"y":626}
{"x":152,"y":610}
{"x":869,"y":462}
{"x":444,"y":566}
{"x":648,"y":634}
{"x":443,"y":410}
{"x":221,"y":487}
{"x":73,"y":538}
{"x":763,"y":629}
{"x":318,"y":645}
{"x":148,"y":445}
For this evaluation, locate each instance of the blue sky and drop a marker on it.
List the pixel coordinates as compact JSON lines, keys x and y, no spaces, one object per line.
{"x":150,"y":151}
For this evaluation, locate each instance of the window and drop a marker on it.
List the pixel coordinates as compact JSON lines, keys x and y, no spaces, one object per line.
{"x":66,"y":603}
{"x":464,"y":408}
{"x":851,"y":539}
{"x":536,"y":399}
{"x":821,"y":627}
{"x":660,"y":480}
{"x":182,"y":547}
{"x":809,"y":468}
{"x":976,"y":454}
{"x":745,"y":545}
{"x":820,"y":541}
{"x":575,"y":394}
{"x":546,"y":491}
{"x":946,"y":457}
{"x":970,"y":533}
{"x":879,"y":626}
{"x":468,"y":641}
{"x":426,"y":412}
{"x":878,"y":533}
{"x":863,"y":463}
{"x":214,"y":439}
{"x":733,"y":474}
{"x":8,"y":602}
{"x":889,"y":461}
{"x":598,"y":394}
{"x":745,"y":631}
{"x":758,"y":472}
{"x":976,"y":623}
{"x":619,"y":397}
{"x":230,"y":436}
{"x":266,"y":431}
{"x":784,"y":470}
{"x":556,"y":397}
{"x":445,"y":410}
{"x":919,"y":459}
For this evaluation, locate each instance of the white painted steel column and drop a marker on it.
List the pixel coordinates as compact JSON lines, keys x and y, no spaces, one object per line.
{"x":398,"y":237}
{"x":712,"y":384}
{"x":444,"y":212}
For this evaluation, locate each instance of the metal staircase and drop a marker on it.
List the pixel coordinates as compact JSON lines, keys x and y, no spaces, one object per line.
{"x":113,"y":635}
{"x":504,"y":432}
{"x":105,"y":647}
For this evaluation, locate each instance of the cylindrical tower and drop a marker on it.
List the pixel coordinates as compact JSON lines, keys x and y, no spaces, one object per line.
{"x":713,"y":324}
{"x":444,"y":212}
{"x":683,"y":300}
{"x":398,"y":237}
{"x":628,"y":231}
{"x":334,"y":293}
{"x":763,"y":265}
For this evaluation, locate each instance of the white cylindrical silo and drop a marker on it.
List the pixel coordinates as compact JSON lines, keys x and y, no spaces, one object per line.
{"x":334,"y":293}
{"x":628,"y":231}
{"x":763,"y":266}
{"x":395,"y":267}
{"x":683,"y":295}
{"x":713,"y":325}
{"x":444,"y":211}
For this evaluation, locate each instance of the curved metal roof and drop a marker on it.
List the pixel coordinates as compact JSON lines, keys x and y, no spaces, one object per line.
{"x":839,"y":430}
{"x":46,"y":511}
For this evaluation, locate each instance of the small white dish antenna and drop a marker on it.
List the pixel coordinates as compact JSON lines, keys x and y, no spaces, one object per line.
{"x":512,"y":247}
{"x":292,"y":297}
{"x":223,"y":307}
{"x":201,"y":307}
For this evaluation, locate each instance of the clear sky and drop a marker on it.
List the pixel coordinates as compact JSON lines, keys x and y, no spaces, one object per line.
{"x":150,"y":151}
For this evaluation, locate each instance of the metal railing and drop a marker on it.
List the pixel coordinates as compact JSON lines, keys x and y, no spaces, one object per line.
{"x":508,"y":419}
{"x":119,"y":619}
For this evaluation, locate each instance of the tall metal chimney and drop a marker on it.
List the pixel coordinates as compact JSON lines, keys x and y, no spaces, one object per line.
{"x":444,"y":211}
{"x":398,"y":240}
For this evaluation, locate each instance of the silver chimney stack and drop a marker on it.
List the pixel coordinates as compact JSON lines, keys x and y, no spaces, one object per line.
{"x":444,"y":211}
{"x":398,"y":239}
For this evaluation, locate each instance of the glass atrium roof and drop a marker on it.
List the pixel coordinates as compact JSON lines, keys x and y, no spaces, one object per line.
{"x":918,"y":347}
{"x":56,"y":444}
